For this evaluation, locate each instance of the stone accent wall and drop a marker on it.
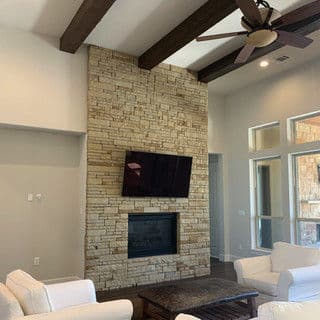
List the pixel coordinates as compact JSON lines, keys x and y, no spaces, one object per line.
{"x":162,"y":111}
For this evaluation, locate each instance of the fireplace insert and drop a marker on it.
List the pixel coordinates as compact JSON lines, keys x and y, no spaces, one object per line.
{"x":152,"y":234}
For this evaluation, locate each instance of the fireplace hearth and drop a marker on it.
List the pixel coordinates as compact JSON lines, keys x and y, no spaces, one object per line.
{"x":152,"y":234}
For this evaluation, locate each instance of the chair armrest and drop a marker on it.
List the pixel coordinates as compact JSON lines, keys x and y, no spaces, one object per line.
{"x":250,"y":266}
{"x":289,"y":310}
{"x":68,"y":294}
{"x":113,"y":310}
{"x":186,"y":317}
{"x":300,"y":283}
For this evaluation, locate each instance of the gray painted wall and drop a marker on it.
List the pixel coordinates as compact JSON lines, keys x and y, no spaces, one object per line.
{"x":51,"y":228}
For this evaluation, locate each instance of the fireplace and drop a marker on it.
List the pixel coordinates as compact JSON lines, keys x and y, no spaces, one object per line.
{"x":152,"y":234}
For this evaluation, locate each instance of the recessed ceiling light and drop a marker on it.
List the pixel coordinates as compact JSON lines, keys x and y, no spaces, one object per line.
{"x":264,"y":63}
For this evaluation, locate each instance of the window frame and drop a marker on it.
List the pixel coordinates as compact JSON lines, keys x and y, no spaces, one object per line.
{"x":253,"y":137}
{"x":295,"y":191}
{"x":286,"y":151}
{"x":256,"y":217}
{"x":292,"y":124}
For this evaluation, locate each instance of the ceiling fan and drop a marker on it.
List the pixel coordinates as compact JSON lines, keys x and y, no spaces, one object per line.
{"x":263,"y":26}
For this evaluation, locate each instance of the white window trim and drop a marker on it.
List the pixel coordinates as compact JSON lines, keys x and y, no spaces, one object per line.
{"x":292,"y":128}
{"x":252,"y":136}
{"x":295,"y":195}
{"x":255,"y":217}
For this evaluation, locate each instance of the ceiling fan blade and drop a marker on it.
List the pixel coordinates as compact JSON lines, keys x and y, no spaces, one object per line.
{"x":221,"y":36}
{"x":250,"y":11}
{"x":299,"y":14}
{"x":293,"y":39}
{"x":244,"y":54}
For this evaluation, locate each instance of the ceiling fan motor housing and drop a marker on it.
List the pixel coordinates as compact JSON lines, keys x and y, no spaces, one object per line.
{"x":261,"y":36}
{"x":247,"y":24}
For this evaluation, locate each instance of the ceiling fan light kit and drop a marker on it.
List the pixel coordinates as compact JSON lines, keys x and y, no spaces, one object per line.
{"x":262,"y":38}
{"x":263,"y":26}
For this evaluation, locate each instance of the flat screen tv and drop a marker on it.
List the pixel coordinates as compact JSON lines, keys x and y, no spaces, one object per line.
{"x":156,"y":175}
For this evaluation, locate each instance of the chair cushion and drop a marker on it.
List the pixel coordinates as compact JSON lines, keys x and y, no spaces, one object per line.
{"x":9,"y":305}
{"x":72,"y":293}
{"x":30,"y":293}
{"x":289,"y":311}
{"x":286,"y":256}
{"x":266,"y":282}
{"x":112,"y":310}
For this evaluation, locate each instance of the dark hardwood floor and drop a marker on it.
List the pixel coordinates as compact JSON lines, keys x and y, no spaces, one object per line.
{"x":223,"y":270}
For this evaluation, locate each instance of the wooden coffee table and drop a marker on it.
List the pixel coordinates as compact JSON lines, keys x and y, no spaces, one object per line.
{"x":192,"y":296}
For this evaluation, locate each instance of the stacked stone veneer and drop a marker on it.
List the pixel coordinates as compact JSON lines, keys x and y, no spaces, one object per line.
{"x":163,"y":111}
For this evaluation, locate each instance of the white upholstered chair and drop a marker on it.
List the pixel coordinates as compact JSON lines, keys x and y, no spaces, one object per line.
{"x":289,"y":311}
{"x":24,"y":298}
{"x":186,"y":317}
{"x":290,"y":273}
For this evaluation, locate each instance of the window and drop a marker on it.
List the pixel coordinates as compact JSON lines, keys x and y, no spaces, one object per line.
{"x":268,"y":202}
{"x":293,"y":216}
{"x":306,"y":129}
{"x":265,"y":137}
{"x":307,"y":198}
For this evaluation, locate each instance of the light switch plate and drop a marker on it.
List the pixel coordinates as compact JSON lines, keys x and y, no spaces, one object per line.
{"x":30,"y":197}
{"x":36,"y":261}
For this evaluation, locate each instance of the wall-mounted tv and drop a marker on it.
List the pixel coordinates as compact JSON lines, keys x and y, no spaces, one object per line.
{"x":156,"y":175}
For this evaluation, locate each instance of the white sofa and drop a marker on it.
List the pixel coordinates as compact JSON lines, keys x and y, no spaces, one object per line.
{"x":290,"y":273}
{"x":289,"y":311}
{"x":24,"y":298}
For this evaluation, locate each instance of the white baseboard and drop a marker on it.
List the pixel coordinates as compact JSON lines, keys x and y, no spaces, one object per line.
{"x":228,"y":258}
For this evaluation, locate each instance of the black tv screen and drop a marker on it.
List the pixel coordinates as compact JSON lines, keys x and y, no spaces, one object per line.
{"x":156,"y":175}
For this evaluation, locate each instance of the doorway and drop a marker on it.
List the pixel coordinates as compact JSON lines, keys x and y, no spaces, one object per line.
{"x":216,"y":206}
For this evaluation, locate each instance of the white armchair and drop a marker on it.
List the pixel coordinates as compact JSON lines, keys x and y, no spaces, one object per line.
{"x":186,"y":317}
{"x":24,"y":298}
{"x":291,"y":273}
{"x":289,"y":311}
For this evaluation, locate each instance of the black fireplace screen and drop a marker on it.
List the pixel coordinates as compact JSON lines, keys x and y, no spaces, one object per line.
{"x":152,"y":234}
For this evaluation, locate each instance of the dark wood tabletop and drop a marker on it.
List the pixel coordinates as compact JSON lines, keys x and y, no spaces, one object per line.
{"x":195,"y":294}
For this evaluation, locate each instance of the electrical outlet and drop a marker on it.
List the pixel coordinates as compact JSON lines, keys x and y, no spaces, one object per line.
{"x":30,"y":197}
{"x":36,"y":261}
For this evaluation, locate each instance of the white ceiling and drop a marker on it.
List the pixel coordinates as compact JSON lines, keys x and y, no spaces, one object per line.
{"x":132,"y":26}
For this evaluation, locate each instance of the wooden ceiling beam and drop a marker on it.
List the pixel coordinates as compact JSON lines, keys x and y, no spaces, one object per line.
{"x":226,"y":64}
{"x":200,"y":21}
{"x":85,"y":20}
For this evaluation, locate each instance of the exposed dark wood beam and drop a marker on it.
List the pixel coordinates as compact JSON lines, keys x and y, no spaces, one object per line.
{"x":87,"y":17}
{"x":226,"y":64}
{"x":200,"y":21}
